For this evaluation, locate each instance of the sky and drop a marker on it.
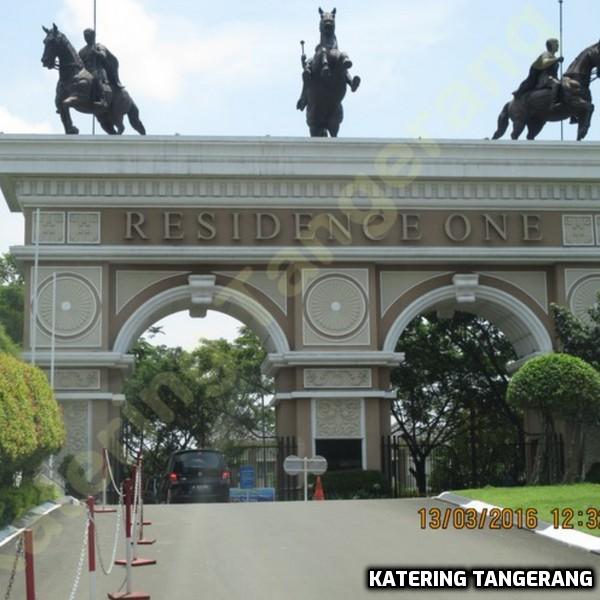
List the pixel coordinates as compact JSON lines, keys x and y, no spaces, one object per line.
{"x":429,"y":68}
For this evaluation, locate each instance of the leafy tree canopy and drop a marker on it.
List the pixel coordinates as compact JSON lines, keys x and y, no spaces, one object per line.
{"x":577,"y":337}
{"x":452,"y":384}
{"x":31,"y":425}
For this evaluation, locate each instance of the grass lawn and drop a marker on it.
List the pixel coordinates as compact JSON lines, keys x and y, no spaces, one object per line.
{"x":578,"y":497}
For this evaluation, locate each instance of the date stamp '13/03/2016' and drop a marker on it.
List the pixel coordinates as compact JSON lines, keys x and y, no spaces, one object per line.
{"x":506,"y":518}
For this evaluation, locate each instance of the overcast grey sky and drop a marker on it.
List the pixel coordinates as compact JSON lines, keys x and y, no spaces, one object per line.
{"x":432,"y":68}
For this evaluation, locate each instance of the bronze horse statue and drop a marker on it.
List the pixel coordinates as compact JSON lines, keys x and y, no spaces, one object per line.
{"x":535,"y":108}
{"x":75,"y":86}
{"x":325,"y":78}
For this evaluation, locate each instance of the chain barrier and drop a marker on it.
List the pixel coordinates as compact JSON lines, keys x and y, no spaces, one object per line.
{"x":13,"y":573}
{"x":115,"y":543}
{"x":81,"y":560}
{"x":112,"y":479}
{"x":136,"y":500}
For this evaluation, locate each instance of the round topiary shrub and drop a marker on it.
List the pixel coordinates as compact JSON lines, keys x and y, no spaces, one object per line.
{"x":557,"y":385}
{"x":564,"y":387}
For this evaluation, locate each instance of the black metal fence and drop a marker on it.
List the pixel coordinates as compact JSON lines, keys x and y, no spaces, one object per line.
{"x":267,"y":461}
{"x":288,"y":486}
{"x":448,"y":467}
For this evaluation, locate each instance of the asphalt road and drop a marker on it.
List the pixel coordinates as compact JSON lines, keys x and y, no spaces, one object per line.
{"x":289,"y":551}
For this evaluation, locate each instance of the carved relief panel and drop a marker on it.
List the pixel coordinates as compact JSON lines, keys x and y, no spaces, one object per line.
{"x":338,"y":418}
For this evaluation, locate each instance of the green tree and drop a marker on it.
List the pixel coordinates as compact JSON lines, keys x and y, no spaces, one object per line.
{"x":236,"y":386}
{"x":12,"y":290}
{"x":577,"y":337}
{"x":558,"y":386}
{"x":31,"y":426}
{"x":451,"y":391}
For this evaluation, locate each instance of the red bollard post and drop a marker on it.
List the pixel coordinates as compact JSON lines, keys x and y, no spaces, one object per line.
{"x":130,"y":516}
{"x":104,"y":508}
{"x":29,"y":571}
{"x":91,"y":547}
{"x":128,"y":594}
{"x":142,"y":541}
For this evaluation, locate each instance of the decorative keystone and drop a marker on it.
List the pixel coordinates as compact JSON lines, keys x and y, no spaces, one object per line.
{"x":465,"y":287}
{"x":202,"y":291}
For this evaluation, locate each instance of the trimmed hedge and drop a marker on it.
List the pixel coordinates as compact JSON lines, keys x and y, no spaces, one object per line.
{"x":31,"y":425}
{"x":355,"y":484}
{"x":557,"y":384}
{"x":15,"y":502}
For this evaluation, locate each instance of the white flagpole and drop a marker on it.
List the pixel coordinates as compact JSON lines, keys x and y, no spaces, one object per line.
{"x":52,"y":359}
{"x":93,"y":117}
{"x":34,"y":290}
{"x":53,"y":339}
{"x":562,"y":53}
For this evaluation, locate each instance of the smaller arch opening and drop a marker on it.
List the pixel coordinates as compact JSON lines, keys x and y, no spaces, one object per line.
{"x":521,"y":326}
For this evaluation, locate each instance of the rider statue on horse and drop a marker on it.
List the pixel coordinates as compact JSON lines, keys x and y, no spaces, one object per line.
{"x":102,"y":65}
{"x":543,"y":97}
{"x":324,"y":81}
{"x":88,"y":81}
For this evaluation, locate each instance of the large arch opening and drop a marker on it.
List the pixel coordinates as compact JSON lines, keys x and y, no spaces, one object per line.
{"x":211,"y":395}
{"x":451,"y":415}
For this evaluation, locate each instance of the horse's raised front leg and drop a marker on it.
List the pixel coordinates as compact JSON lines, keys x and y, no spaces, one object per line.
{"x":65,"y":117}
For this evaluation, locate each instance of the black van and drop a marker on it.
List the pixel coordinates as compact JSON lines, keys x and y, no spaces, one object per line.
{"x":195,"y":476}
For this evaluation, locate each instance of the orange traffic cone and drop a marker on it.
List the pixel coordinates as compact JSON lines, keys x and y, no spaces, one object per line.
{"x":319,"y":495}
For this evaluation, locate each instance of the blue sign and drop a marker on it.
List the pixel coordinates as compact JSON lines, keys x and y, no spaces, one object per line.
{"x":252,"y":495}
{"x":247,"y":478}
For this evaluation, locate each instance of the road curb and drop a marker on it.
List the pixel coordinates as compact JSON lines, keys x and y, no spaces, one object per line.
{"x":570,"y":537}
{"x":31,"y":517}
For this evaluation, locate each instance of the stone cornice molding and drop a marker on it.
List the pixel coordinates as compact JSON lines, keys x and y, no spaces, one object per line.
{"x":344,"y":394}
{"x":322,"y":193}
{"x":248,"y":254}
{"x":318,"y":358}
{"x":399,"y":161}
{"x":85,"y":396}
{"x":77,"y":358}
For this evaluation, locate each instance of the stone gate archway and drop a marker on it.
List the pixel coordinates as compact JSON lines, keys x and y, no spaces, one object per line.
{"x":326,"y":248}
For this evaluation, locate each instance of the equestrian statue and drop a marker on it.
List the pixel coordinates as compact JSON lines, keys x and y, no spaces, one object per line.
{"x":543,"y":97}
{"x":88,"y":81}
{"x":325,"y":78}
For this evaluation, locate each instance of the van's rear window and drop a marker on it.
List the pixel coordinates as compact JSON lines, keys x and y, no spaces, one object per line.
{"x":197,"y":460}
